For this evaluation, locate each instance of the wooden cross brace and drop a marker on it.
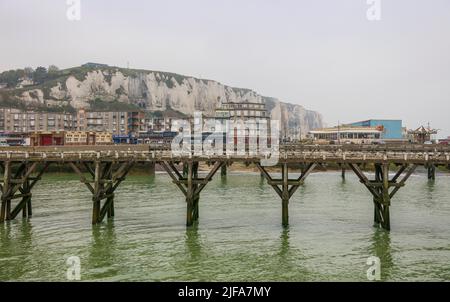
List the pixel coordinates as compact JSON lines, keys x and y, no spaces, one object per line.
{"x":190,"y":184}
{"x":285,"y":182}
{"x":104,"y":182}
{"x":383,"y":189}
{"x":185,"y":184}
{"x":286,"y":187}
{"x":18,"y":185}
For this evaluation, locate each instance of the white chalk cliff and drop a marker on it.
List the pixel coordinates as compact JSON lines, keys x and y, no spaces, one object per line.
{"x":159,"y":91}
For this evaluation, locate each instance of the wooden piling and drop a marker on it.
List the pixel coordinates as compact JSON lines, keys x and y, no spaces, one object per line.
{"x":223,"y":171}
{"x":16,"y":186}
{"x":190,"y":184}
{"x":431,"y":172}
{"x":106,"y":179}
{"x":189,"y":196}
{"x":285,"y":187}
{"x":4,"y":215}
{"x":380,"y":189}
{"x":96,"y":196}
{"x":196,"y":196}
{"x":285,"y":195}
{"x":386,"y":200}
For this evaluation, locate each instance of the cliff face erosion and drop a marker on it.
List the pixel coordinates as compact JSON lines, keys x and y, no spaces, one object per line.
{"x":154,"y":91}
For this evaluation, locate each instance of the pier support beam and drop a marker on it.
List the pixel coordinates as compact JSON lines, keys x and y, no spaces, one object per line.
{"x":190,"y":185}
{"x":431,"y":171}
{"x":380,"y":188}
{"x":106,"y":177}
{"x":286,"y":187}
{"x":223,"y":171}
{"x":18,"y":185}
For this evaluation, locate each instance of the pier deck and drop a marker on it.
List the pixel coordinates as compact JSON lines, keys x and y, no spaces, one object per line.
{"x":421,"y":155}
{"x":103,"y":168}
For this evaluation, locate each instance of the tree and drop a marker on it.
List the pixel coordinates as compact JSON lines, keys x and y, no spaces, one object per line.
{"x":53,"y":72}
{"x":11,"y":77}
{"x":53,"y":69}
{"x":40,"y":75}
{"x":28,"y":71}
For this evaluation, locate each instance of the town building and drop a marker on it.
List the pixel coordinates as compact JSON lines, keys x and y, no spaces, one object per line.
{"x":16,"y":120}
{"x":14,"y":139}
{"x":47,"y":138}
{"x":124,"y":139}
{"x":76,"y":138}
{"x":246,"y":118}
{"x":157,"y":137}
{"x":117,"y":123}
{"x":70,"y":138}
{"x":391,"y":130}
{"x":242,"y":111}
{"x":347,"y":134}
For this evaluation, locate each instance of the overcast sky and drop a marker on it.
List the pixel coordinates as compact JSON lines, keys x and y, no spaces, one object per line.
{"x":323,"y":54}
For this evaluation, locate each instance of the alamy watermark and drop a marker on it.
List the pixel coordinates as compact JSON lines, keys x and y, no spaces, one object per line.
{"x":374,"y":11}
{"x":73,"y":12}
{"x":74,"y":271}
{"x":374,"y":270}
{"x":255,"y":137}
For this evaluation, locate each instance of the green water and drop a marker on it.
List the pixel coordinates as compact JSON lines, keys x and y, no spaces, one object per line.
{"x":239,"y":236}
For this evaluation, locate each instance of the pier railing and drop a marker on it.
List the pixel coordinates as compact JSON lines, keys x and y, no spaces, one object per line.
{"x":420,"y":154}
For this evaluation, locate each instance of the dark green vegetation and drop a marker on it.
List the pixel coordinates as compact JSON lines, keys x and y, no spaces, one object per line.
{"x":100,"y":105}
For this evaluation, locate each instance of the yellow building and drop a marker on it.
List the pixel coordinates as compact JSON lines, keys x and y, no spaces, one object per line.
{"x":75,"y":138}
{"x":87,"y":138}
{"x":103,"y":138}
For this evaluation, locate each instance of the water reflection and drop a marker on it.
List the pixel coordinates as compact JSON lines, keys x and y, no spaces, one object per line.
{"x":380,"y":246}
{"x":291,"y":264}
{"x":223,"y":181}
{"x":102,"y":251}
{"x":192,"y":242}
{"x":431,"y":186}
{"x":5,"y":236}
{"x":152,"y":178}
{"x":284,"y":247}
{"x":262,"y":182}
{"x":16,"y":249}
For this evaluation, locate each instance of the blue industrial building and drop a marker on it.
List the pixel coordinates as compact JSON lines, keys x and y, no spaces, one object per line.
{"x":391,"y":129}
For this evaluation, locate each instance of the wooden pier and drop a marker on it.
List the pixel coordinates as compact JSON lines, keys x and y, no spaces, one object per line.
{"x":107,"y":166}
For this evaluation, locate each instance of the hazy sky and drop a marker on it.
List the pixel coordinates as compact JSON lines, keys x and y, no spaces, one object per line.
{"x":323,"y":54}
